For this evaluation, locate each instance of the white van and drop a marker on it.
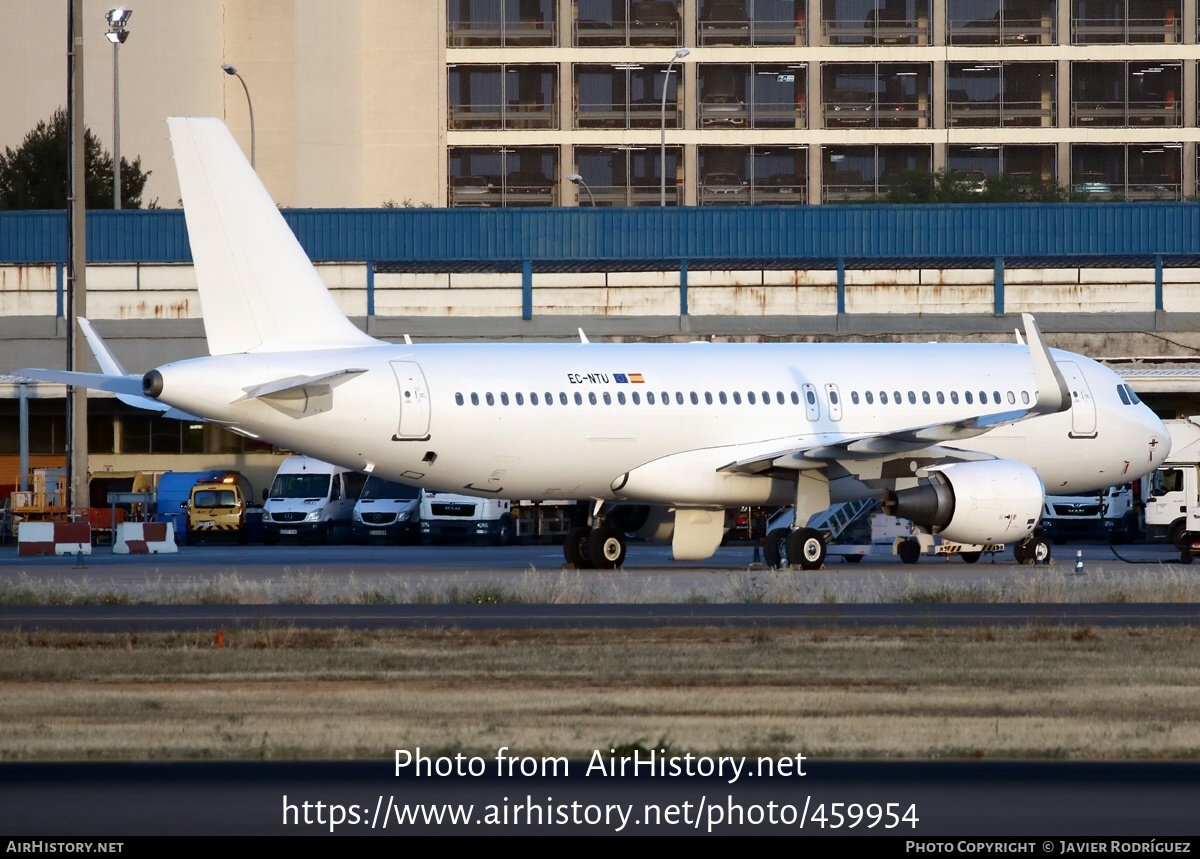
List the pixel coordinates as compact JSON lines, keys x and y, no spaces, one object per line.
{"x":387,"y":511}
{"x":310,"y":500}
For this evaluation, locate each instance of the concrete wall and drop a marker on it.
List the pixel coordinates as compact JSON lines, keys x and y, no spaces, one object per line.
{"x":143,"y":292}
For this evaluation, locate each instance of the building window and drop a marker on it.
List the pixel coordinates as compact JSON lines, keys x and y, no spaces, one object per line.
{"x":488,"y":23}
{"x":757,"y":95}
{"x":751,"y":22}
{"x":1126,"y":95}
{"x":628,"y":175}
{"x":857,"y":173}
{"x":876,"y":95}
{"x":996,"y":22}
{"x":501,"y":97}
{"x":626,"y":95}
{"x":614,"y":23}
{"x":995,"y":95}
{"x":1135,"y":171}
{"x":758,"y":175}
{"x":1033,"y":166}
{"x":503,"y":176}
{"x":1098,"y":22}
{"x":868,"y":22}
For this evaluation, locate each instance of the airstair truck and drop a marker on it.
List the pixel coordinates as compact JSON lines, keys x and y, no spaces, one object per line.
{"x":856,"y":529}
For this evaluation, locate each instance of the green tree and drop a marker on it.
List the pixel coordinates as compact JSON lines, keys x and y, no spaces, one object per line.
{"x":970,"y":186}
{"x":34,"y":175}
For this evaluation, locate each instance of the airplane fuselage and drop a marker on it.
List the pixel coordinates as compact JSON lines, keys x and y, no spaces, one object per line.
{"x":552,"y":421}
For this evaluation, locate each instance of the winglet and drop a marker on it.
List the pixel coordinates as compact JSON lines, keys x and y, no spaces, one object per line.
{"x":1052,"y":393}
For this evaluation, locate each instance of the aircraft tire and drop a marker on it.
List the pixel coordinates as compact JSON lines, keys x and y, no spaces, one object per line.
{"x":1034,"y":549}
{"x":775,"y":552}
{"x":806,"y":547}
{"x":970,"y":557}
{"x":852,"y":559}
{"x":909,"y":551}
{"x":575,"y":548}
{"x":1185,"y":557}
{"x":606,"y":548}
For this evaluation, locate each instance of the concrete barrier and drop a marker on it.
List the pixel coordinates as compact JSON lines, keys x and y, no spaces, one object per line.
{"x":54,"y":538}
{"x":145,"y":538}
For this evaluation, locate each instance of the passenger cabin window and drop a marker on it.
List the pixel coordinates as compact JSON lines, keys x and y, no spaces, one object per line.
{"x":458,"y":398}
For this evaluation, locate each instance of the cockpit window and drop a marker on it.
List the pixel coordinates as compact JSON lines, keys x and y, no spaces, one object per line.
{"x":1121,"y":393}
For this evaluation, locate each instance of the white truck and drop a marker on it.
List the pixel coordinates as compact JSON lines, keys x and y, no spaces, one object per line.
{"x":1175,"y":487}
{"x":446,"y":517}
{"x":1113,"y":515}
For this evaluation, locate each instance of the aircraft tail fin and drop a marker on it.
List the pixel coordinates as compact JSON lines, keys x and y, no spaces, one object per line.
{"x":258,"y":289}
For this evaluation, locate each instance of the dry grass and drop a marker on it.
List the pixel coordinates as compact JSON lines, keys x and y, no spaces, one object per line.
{"x":286,"y":693}
{"x":1054,"y":584}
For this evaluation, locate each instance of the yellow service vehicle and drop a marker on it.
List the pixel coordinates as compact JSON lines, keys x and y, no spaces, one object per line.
{"x":217,"y":506}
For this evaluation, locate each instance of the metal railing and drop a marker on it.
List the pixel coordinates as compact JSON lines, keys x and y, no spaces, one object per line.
{"x":468,"y":34}
{"x":605,"y":115}
{"x":462,"y":117}
{"x":598,"y":34}
{"x":743,"y":32}
{"x":1097,"y":31}
{"x":763,"y":114}
{"x":996,"y":114}
{"x":1127,"y":114}
{"x":1009,"y":31}
{"x":883,"y":114}
{"x":846,"y":32}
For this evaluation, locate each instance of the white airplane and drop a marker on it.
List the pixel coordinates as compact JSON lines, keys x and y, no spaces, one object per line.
{"x":963,"y":439}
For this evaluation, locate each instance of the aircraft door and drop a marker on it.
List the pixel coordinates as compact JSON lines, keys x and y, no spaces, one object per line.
{"x":1083,"y":407}
{"x":414,"y":401}
{"x":812,"y":404}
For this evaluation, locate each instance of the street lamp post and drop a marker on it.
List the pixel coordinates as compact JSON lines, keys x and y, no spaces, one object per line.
{"x":662,"y":147}
{"x":230,"y":70}
{"x":117,"y":34}
{"x":578,"y":180}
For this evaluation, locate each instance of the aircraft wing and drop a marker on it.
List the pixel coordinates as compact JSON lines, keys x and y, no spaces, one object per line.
{"x":1053,"y":396}
{"x":879,"y":446}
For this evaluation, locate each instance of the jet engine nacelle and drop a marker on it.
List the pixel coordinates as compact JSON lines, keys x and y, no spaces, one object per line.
{"x":997,"y":501}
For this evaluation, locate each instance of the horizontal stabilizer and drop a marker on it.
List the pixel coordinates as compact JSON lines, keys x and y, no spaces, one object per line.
{"x":128,"y":389}
{"x":99,"y":381}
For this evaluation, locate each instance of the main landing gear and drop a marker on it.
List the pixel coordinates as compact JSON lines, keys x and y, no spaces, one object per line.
{"x":803,"y":547}
{"x":599,"y":548}
{"x":1034,"y":549}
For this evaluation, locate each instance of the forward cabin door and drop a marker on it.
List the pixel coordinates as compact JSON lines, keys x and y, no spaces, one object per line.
{"x":1083,"y":407}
